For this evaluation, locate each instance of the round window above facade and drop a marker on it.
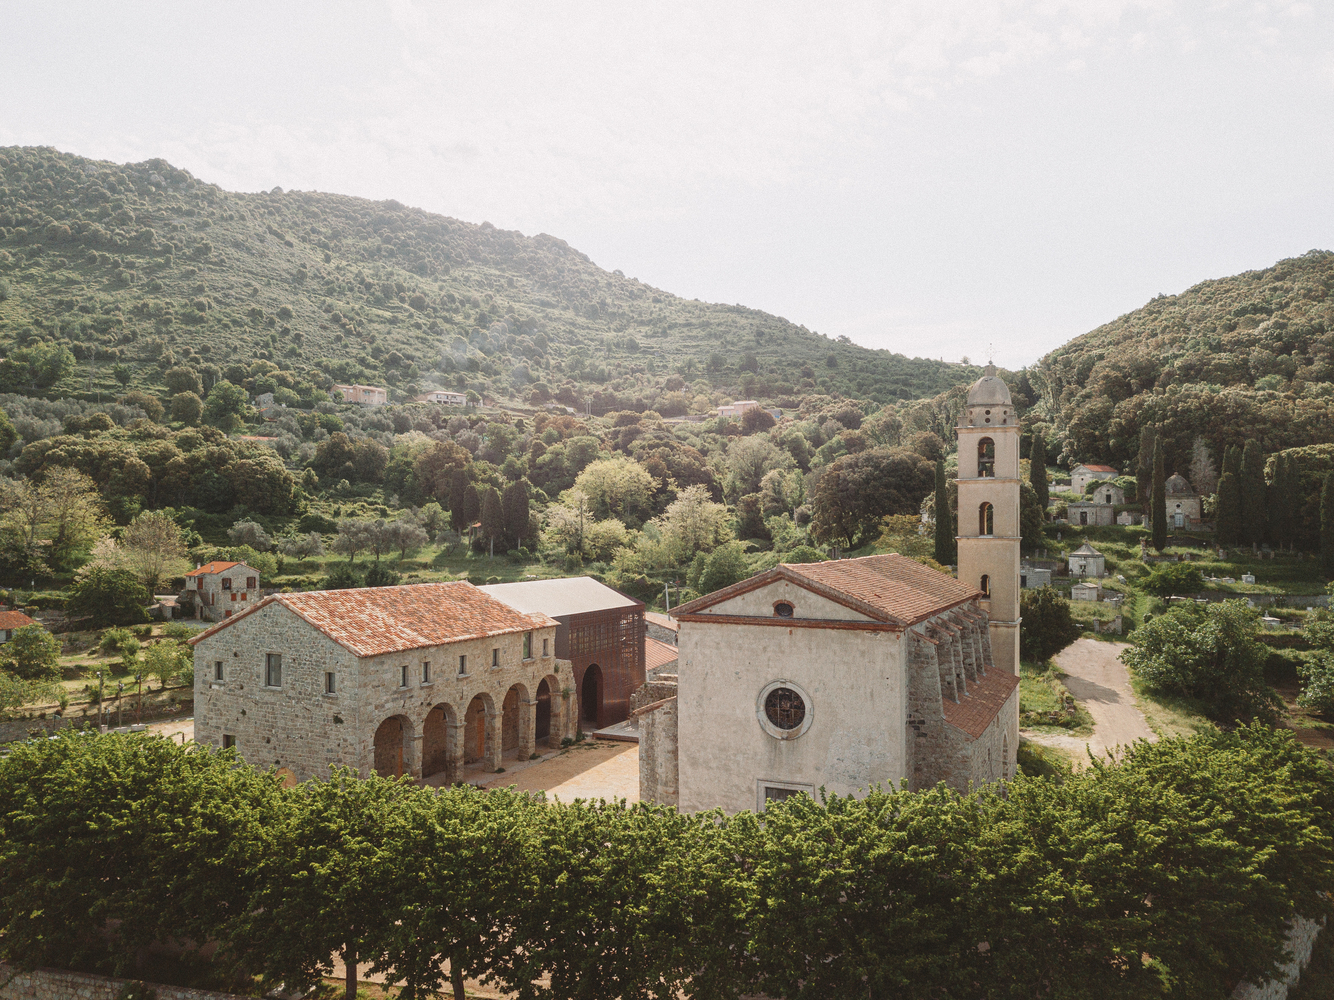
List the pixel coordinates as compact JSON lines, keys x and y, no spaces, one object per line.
{"x":783,"y":609}
{"x":783,"y":710}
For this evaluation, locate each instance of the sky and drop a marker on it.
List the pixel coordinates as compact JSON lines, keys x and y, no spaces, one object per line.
{"x":948,"y":179}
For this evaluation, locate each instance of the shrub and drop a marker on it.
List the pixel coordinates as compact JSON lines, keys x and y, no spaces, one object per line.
{"x":1048,"y":627}
{"x":35,"y":652}
{"x":1173,"y":578}
{"x":341,"y":577}
{"x":381,"y":576}
{"x":1317,"y":676}
{"x":109,"y":597}
{"x":117,"y":640}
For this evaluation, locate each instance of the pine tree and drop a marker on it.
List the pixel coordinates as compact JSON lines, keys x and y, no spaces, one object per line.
{"x":1037,"y":472}
{"x":1159,"y":501}
{"x":1144,"y":468}
{"x":1327,"y":526}
{"x":1253,"y":517}
{"x":1228,"y":515}
{"x":945,"y":547}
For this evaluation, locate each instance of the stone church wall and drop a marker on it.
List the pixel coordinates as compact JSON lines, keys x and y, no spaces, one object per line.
{"x":658,"y":754}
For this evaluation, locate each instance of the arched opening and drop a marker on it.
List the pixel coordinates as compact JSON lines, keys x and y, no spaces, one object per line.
{"x":986,"y":458}
{"x":590,"y":694}
{"x":985,"y":585}
{"x":435,"y":740}
{"x":511,"y":719}
{"x":543,"y":711}
{"x":390,"y":739}
{"x":475,"y":725}
{"x":985,"y":514}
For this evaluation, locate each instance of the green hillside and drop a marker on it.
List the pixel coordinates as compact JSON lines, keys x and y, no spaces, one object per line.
{"x":144,"y":266}
{"x":1250,"y":356}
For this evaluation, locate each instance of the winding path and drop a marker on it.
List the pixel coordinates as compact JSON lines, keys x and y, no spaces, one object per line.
{"x":1099,"y":680}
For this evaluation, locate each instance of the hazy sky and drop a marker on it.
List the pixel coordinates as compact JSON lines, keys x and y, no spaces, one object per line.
{"x":927,"y":177}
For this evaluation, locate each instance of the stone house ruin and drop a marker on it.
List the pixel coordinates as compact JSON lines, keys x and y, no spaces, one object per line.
{"x":418,"y":680}
{"x":599,"y":630}
{"x":838,"y":675}
{"x":218,"y":590}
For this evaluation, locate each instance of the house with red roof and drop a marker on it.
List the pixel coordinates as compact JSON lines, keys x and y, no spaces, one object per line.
{"x":839,"y":675}
{"x":217,"y":590}
{"x":11,"y":621}
{"x":424,"y":680}
{"x":1082,"y":475}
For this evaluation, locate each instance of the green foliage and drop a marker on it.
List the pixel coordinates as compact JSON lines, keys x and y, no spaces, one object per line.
{"x":1327,"y":526}
{"x":225,"y":406}
{"x":1047,"y":626}
{"x":723,"y":567}
{"x":118,"y":640}
{"x":377,"y":576}
{"x":1208,"y":652}
{"x":853,"y":494}
{"x":168,"y":661}
{"x":1167,"y":579}
{"x":15,"y":692}
{"x":35,"y":653}
{"x":1254,"y":515}
{"x":944,"y":521}
{"x":109,"y":597}
{"x":1037,"y":472}
{"x":1229,"y":523}
{"x":1158,"y":502}
{"x":341,"y":577}
{"x":1317,"y":677}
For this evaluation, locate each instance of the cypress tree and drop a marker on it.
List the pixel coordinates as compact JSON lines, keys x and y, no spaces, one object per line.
{"x":1274,"y":502}
{"x":514,"y":504}
{"x":1037,"y":472}
{"x":1144,"y":468}
{"x":493,"y":517}
{"x":1232,"y":460}
{"x":1159,"y":502}
{"x":458,"y":501}
{"x":1327,"y":526}
{"x":1228,"y":515}
{"x":945,"y":554}
{"x":1253,"y":518}
{"x":1289,"y":500}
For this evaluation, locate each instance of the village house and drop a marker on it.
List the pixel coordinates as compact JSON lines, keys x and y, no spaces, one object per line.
{"x":366,"y":395}
{"x":600,"y":631}
{"x":10,"y":622}
{"x":738,"y":408}
{"x":1082,"y":475}
{"x":1087,"y":561}
{"x":420,"y":680}
{"x":1184,"y":505}
{"x":1085,"y":513}
{"x":218,"y":590}
{"x":443,"y":397}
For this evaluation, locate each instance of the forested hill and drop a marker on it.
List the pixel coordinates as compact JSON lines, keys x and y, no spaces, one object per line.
{"x":136,"y":268}
{"x":1250,"y":356}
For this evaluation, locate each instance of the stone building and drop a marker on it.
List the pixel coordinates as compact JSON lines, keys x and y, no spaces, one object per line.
{"x":418,"y":680}
{"x":1184,"y":507}
{"x":1082,"y":475}
{"x":366,"y":395}
{"x":1086,"y":592}
{"x":601,"y":632}
{"x":1085,"y":513}
{"x":444,"y":397}
{"x":1109,"y":494}
{"x":1087,"y":561}
{"x":218,"y":590}
{"x":838,"y":675}
{"x":1034,"y":577}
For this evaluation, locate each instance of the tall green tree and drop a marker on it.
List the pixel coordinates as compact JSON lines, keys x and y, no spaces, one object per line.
{"x":1159,"y":501}
{"x":1228,"y":514}
{"x":1037,"y":472}
{"x":1047,"y":626}
{"x":1148,"y":438}
{"x":945,"y":545}
{"x":514,"y":502}
{"x":35,"y":653}
{"x":1232,"y":460}
{"x":1274,"y":505}
{"x":493,"y":517}
{"x":458,"y":500}
{"x":1327,"y":526}
{"x":1254,"y":518}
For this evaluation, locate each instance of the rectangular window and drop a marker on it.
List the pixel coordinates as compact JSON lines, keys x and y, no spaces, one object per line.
{"x":330,"y":683}
{"x":463,"y":666}
{"x":244,"y":596}
{"x":228,"y":741}
{"x":233,"y":597}
{"x":426,"y":671}
{"x":495,"y":657}
{"x":250,"y":583}
{"x":273,"y":670}
{"x":226,"y":584}
{"x":528,"y":645}
{"x":544,"y":647}
{"x":403,"y":676}
{"x":226,"y":614}
{"x":217,"y":670}
{"x":777,"y":791}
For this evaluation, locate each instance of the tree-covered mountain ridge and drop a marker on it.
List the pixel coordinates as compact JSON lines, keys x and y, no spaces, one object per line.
{"x":1229,"y":359}
{"x":138,"y":268}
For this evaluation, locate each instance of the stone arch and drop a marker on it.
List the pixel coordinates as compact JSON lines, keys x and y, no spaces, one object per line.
{"x":986,"y":458}
{"x":591,"y":691}
{"x":393,"y":747}
{"x":516,"y":730}
{"x":542,"y":723}
{"x":479,"y":729}
{"x":986,"y":519}
{"x":438,"y":735}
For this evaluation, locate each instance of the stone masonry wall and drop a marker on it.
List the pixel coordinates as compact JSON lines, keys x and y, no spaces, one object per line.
{"x":659,"y":769}
{"x":53,"y":984}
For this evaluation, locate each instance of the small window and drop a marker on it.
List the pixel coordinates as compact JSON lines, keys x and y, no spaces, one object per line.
{"x":217,"y":670}
{"x":250,"y":583}
{"x":273,"y":670}
{"x":403,"y":676}
{"x":426,"y":671}
{"x":330,"y":683}
{"x":233,"y":597}
{"x":463,"y":666}
{"x":528,"y":645}
{"x":228,"y":741}
{"x":985,"y":585}
{"x":226,"y":583}
{"x":495,"y":657}
{"x":772,"y":794}
{"x":226,"y":614}
{"x":783,"y":609}
{"x":545,"y":647}
{"x":244,"y":596}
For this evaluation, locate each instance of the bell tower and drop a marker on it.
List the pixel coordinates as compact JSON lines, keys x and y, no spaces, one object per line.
{"x":988,"y":482}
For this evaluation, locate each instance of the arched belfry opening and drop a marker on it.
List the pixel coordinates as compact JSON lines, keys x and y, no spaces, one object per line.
{"x":986,"y":519}
{"x":986,"y":458}
{"x":985,"y":584}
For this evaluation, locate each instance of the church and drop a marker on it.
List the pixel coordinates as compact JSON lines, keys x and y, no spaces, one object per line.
{"x":852,"y":673}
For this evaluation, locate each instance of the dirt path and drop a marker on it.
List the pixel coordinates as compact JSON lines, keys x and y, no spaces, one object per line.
{"x":1096,"y":677}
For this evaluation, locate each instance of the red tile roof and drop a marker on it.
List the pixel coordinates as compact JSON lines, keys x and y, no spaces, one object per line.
{"x":372,"y":621}
{"x":658,"y":654}
{"x":887,"y":588}
{"x":974,"y":711}
{"x":1097,"y":468}
{"x":212,"y":567}
{"x":14,"y":619}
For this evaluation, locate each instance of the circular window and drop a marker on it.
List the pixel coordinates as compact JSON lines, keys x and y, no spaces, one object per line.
{"x":783,"y":609}
{"x":783,"y":710}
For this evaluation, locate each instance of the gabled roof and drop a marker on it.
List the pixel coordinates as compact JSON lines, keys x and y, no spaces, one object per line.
{"x":1095,"y":468}
{"x":217,"y":566}
{"x":14,"y":619}
{"x":565,"y":596}
{"x":373,"y":621}
{"x":1086,"y":550}
{"x":889,"y":588}
{"x":986,"y":696}
{"x":658,"y":654}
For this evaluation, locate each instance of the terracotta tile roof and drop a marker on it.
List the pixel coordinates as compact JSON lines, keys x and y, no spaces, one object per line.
{"x":1097,"y":468}
{"x":14,"y":619}
{"x":212,"y":567}
{"x":372,"y":621}
{"x":658,"y":654}
{"x":974,"y":711}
